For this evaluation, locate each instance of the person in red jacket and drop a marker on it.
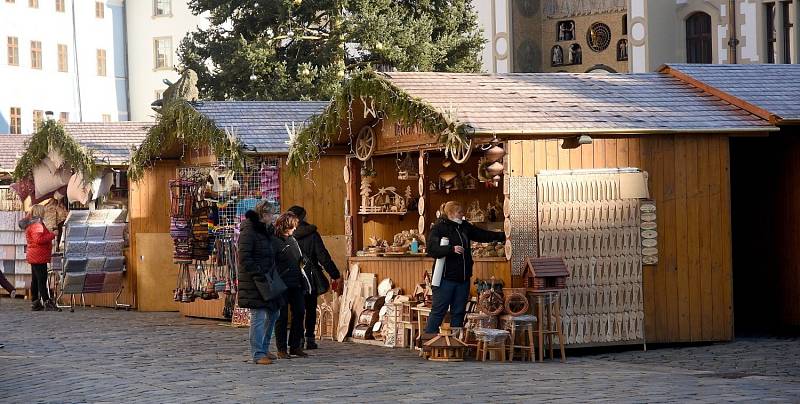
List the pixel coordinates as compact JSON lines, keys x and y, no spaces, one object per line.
{"x":40,"y":248}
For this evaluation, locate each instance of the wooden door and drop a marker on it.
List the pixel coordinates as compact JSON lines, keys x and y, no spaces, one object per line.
{"x":156,"y":274}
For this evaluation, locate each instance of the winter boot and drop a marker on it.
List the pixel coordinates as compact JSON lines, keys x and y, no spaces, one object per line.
{"x":37,"y":305}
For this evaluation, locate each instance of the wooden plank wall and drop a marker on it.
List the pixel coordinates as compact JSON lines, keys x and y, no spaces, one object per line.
{"x":688,"y":295}
{"x":321,"y":191}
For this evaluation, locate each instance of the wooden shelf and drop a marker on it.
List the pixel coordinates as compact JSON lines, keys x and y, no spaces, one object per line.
{"x":383,"y":213}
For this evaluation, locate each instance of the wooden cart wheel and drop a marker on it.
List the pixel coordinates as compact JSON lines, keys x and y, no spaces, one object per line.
{"x":516,"y":303}
{"x":365,"y":143}
{"x":491,"y":302}
{"x":459,"y":151}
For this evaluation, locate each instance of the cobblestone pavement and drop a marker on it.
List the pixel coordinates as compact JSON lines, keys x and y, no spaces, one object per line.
{"x":101,"y":355}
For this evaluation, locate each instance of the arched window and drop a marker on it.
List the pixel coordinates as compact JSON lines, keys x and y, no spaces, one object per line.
{"x":698,"y":38}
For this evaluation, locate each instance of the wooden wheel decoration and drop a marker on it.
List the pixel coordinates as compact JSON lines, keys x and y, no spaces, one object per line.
{"x":365,"y":143}
{"x":459,"y":151}
{"x":491,"y":302}
{"x":516,"y":303}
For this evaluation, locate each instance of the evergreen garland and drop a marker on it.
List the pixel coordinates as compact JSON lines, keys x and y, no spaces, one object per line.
{"x":312,"y":140}
{"x":51,"y":135}
{"x":179,"y":123}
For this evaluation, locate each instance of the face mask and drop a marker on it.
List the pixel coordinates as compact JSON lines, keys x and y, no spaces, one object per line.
{"x":458,"y":221}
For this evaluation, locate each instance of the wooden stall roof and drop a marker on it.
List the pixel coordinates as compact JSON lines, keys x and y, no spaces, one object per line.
{"x":771,"y":91}
{"x":11,"y":147}
{"x":576,"y":103}
{"x":259,"y":125}
{"x":110,"y":142}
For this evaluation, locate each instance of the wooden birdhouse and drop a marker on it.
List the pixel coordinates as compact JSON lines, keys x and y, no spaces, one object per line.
{"x":545,"y":273}
{"x":445,"y":347}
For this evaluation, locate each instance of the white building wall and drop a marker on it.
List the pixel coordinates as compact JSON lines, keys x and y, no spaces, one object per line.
{"x":143,"y":27}
{"x":48,"y":89}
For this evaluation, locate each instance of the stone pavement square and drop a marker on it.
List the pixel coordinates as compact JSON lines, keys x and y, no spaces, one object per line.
{"x":102,"y":355}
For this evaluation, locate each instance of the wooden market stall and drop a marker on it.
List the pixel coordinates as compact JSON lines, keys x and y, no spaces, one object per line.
{"x":76,"y":151}
{"x":242,"y":146}
{"x":624,"y":176}
{"x":765,"y":180}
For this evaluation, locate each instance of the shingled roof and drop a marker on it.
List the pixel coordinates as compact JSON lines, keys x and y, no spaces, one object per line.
{"x":575,"y":103}
{"x":259,"y":125}
{"x":11,"y":147}
{"x":111,"y":142}
{"x":771,"y":91}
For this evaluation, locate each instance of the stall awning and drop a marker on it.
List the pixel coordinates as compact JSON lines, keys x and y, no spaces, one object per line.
{"x":576,"y":103}
{"x":771,"y":91}
{"x":259,"y":125}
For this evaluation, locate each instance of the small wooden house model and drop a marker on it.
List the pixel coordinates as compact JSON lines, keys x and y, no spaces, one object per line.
{"x":545,"y":273}
{"x":445,"y":347}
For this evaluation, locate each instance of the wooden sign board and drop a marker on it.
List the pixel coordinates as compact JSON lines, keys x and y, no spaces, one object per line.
{"x":394,"y":135}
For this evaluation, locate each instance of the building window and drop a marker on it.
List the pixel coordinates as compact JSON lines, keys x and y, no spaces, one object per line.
{"x":698,"y":38}
{"x":63,"y":65}
{"x":60,"y":6}
{"x":10,"y":1}
{"x":625,"y":24}
{"x":162,"y":53}
{"x":36,"y":54}
{"x":101,"y":62}
{"x":162,"y":8}
{"x":16,"y":121}
{"x":99,"y":9}
{"x":38,"y":117}
{"x":106,"y":118}
{"x":63,"y":117}
{"x":13,"y":51}
{"x":565,"y":30}
{"x":769,"y":13}
{"x":787,"y":32}
{"x":33,"y":3}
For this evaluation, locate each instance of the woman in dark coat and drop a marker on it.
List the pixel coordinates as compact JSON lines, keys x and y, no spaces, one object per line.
{"x":256,"y":259}
{"x":288,"y":257}
{"x":453,"y":291}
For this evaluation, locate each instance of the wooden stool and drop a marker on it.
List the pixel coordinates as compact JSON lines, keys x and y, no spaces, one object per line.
{"x":548,"y":312}
{"x":490,"y":340}
{"x":522,"y":336}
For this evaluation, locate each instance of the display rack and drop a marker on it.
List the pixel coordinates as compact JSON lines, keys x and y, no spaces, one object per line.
{"x":93,"y":259}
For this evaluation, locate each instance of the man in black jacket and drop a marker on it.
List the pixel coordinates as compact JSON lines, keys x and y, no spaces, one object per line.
{"x":316,"y":254}
{"x":453,"y":291}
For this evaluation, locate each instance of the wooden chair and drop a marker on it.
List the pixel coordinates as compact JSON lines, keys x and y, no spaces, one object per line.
{"x":548,"y":312}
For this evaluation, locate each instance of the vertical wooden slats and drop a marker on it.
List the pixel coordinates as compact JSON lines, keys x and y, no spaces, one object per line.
{"x":682,"y":174}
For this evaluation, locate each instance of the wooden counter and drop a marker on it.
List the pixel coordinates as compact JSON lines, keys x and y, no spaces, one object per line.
{"x":407,"y":272}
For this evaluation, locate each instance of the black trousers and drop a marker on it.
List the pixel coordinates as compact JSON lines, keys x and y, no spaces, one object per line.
{"x":311,"y":316}
{"x":39,"y":282}
{"x":295,"y":298}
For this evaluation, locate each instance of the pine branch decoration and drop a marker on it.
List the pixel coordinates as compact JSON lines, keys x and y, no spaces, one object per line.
{"x":51,"y":134}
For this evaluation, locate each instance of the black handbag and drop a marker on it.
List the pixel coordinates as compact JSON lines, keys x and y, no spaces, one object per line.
{"x":318,"y":280}
{"x":271,"y":286}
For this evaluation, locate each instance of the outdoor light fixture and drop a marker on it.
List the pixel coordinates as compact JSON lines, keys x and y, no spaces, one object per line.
{"x":575,"y":142}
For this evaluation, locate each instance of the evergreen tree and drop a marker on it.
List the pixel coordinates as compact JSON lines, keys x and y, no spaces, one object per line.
{"x":301,"y":49}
